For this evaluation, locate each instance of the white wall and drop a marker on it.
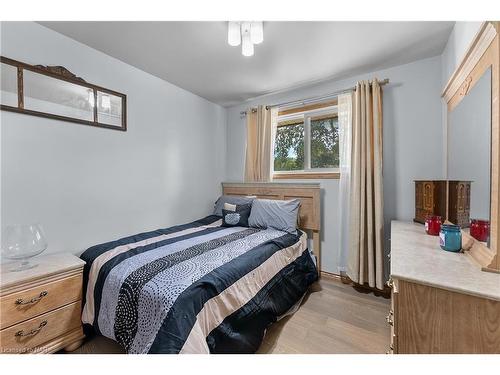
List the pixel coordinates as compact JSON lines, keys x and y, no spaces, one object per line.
{"x":459,"y":41}
{"x":88,"y":185}
{"x":413,"y":141}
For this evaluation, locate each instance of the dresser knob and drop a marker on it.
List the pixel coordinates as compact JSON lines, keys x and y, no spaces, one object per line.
{"x":390,"y":282}
{"x":32,"y":332}
{"x":389,"y":318}
{"x":20,"y":301}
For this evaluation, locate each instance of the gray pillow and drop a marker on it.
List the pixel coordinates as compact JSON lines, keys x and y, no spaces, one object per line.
{"x":281,"y":215}
{"x":231,"y":199}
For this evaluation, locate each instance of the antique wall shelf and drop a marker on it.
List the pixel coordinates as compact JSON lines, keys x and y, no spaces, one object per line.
{"x":56,"y":93}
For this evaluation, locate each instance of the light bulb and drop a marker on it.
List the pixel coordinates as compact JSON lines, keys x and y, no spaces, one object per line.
{"x":257,"y":32}
{"x":233,"y":33}
{"x":247,"y":46}
{"x":246,"y":40}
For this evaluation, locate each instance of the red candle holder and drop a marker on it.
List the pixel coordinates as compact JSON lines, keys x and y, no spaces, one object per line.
{"x":480,"y":229}
{"x":433,"y":225}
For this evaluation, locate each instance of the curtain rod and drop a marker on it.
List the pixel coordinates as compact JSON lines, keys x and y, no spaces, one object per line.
{"x":313,"y":99}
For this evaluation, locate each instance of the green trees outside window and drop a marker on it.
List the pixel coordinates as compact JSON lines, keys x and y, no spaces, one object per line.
{"x":290,"y":144}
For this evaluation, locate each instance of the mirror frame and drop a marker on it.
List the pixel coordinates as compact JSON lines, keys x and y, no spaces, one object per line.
{"x":483,"y":53}
{"x":61,"y":73}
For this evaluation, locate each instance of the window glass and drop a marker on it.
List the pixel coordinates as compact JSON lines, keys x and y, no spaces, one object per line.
{"x":324,"y":142}
{"x":289,"y":146}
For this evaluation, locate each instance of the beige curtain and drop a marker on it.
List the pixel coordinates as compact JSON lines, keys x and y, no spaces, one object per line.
{"x":261,"y":131}
{"x":365,"y":258}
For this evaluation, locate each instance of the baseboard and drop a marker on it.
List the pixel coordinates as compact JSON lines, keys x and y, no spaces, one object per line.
{"x":386,"y":293}
{"x":336,"y":277}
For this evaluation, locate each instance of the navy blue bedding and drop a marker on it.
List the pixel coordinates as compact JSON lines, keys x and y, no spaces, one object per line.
{"x":195,"y":288}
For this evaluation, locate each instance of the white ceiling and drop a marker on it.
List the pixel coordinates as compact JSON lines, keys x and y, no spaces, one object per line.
{"x":196,"y":56}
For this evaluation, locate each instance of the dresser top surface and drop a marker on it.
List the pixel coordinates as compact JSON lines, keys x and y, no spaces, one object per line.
{"x":417,"y":257}
{"x":46,"y":265}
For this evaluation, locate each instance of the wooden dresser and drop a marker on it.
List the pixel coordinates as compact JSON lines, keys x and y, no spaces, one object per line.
{"x":441,"y":301}
{"x":40,"y":308}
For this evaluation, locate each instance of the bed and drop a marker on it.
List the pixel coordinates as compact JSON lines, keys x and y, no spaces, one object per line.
{"x":200,"y":287}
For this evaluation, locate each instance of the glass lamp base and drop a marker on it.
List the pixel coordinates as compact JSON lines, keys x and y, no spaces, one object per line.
{"x":24,"y":265}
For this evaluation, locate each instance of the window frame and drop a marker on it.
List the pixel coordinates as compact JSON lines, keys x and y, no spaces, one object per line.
{"x":307,"y":113}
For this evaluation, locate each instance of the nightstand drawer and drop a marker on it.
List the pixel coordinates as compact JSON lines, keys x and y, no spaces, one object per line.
{"x":33,"y":333}
{"x":20,"y":306}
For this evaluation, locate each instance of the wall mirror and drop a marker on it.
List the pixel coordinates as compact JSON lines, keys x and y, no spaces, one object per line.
{"x":8,"y":75}
{"x":55,"y":92}
{"x":469,"y":146}
{"x":472,"y":97}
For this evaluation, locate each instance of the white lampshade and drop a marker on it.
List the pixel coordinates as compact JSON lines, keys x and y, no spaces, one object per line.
{"x":257,"y":32}
{"x":233,"y":33}
{"x":247,"y":45}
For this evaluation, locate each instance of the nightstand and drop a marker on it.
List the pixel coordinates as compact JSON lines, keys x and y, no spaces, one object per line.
{"x":40,"y":308}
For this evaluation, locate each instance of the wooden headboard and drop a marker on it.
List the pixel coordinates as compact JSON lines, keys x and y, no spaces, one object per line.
{"x":308,"y":193}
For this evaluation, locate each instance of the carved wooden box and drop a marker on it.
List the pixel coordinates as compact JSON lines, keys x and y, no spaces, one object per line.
{"x":431,"y":196}
{"x":459,"y":202}
{"x":430,"y":199}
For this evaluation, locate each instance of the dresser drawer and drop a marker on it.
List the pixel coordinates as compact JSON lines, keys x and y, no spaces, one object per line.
{"x":33,"y":333}
{"x":20,"y":306}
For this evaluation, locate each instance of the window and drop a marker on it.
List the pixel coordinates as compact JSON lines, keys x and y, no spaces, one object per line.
{"x":307,"y":143}
{"x":289,"y":145}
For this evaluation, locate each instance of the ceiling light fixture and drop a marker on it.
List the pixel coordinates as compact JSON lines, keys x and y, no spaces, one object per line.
{"x":246,"y":39}
{"x":245,"y":33}
{"x":234,"y":34}
{"x":257,"y":32}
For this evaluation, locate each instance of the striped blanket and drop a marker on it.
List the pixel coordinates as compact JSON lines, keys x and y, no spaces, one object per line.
{"x":194,"y":288}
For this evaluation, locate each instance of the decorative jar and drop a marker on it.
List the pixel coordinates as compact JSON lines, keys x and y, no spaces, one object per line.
{"x":433,"y":225}
{"x":480,"y":229}
{"x":21,"y":242}
{"x":450,"y":238}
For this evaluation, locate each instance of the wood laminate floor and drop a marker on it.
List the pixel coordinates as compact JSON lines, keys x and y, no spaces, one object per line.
{"x":333,"y":318}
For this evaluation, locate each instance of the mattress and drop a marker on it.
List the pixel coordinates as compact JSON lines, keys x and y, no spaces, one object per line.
{"x":194,"y":288}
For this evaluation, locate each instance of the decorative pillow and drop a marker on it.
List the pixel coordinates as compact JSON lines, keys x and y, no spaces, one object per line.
{"x":237,"y":217}
{"x":231,"y":199}
{"x":229,"y":207}
{"x":281,"y":215}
